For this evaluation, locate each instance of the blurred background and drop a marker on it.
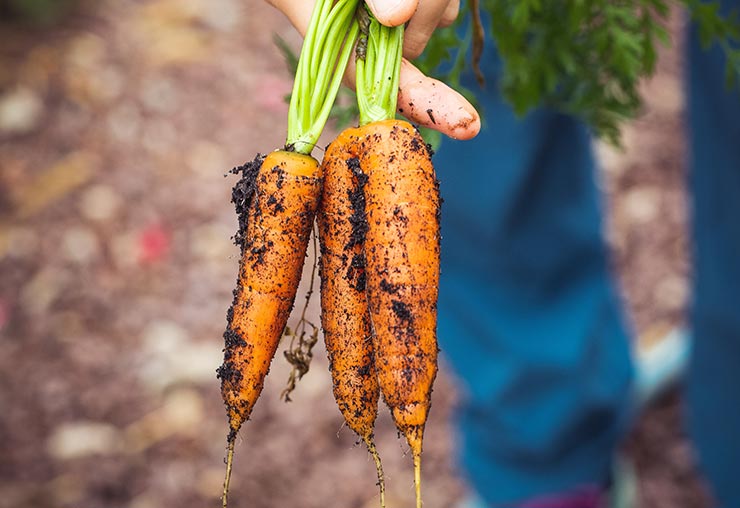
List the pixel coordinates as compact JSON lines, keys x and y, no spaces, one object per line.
{"x":118,"y":123}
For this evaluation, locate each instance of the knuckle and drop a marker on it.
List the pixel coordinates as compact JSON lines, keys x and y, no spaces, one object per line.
{"x":450,"y":13}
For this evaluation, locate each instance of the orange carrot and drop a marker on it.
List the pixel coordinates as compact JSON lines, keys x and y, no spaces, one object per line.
{"x":344,"y":311}
{"x":276,"y":200}
{"x":402,"y":248}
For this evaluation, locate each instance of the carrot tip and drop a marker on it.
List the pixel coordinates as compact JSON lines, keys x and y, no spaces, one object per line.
{"x":378,"y":466}
{"x":414,"y":436}
{"x":229,"y":463}
{"x":417,"y":478}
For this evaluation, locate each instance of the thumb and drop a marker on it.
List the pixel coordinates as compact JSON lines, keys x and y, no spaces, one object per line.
{"x":393,"y":12}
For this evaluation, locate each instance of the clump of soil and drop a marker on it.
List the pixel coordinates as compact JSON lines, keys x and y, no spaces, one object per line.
{"x":243,"y":193}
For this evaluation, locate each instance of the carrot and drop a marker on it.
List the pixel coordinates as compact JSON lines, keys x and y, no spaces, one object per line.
{"x":276,"y":201}
{"x":344,"y":310}
{"x":402,"y":239}
{"x":402,"y":248}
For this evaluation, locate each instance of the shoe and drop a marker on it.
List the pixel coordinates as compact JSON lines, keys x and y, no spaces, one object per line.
{"x":661,"y":360}
{"x":623,"y":489}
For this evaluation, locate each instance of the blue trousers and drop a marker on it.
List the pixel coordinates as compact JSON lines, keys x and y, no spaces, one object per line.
{"x":529,"y":317}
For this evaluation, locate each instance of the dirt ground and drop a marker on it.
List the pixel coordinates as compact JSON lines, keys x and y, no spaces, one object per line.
{"x":117,"y":127}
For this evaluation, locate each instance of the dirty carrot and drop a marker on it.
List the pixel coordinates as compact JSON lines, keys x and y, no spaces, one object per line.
{"x":402,"y":239}
{"x":276,"y":200}
{"x":402,"y":249}
{"x":344,"y":310}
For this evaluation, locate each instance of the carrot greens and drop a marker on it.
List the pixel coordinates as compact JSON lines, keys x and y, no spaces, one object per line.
{"x":378,"y":60}
{"x":585,"y":58}
{"x":325,"y":54}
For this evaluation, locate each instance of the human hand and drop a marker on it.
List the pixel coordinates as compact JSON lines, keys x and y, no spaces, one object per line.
{"x":421,"y":99}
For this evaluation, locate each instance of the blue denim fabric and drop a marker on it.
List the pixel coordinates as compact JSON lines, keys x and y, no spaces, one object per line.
{"x":529,"y":317}
{"x":714,"y":372}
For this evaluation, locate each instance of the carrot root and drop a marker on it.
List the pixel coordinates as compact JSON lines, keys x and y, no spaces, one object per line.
{"x":370,"y":443}
{"x":229,"y":464}
{"x":417,"y":478}
{"x":276,"y":201}
{"x":402,"y":246}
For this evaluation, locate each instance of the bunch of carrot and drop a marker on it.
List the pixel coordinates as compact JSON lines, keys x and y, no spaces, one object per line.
{"x":377,"y":204}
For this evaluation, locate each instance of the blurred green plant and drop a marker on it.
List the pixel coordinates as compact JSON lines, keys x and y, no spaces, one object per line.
{"x":582,"y":57}
{"x":39,"y":12}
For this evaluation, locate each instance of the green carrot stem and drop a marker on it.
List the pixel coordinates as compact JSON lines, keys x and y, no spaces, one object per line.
{"x":378,"y":72}
{"x":296,"y":113}
{"x":329,"y":39}
{"x":342,"y":11}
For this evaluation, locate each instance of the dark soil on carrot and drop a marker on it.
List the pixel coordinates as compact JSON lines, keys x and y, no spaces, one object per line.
{"x":242,"y":194}
{"x":356,"y":196}
{"x":117,"y":265}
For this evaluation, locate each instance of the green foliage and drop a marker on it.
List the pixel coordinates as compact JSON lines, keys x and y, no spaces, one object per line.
{"x":39,"y":12}
{"x":583,"y":57}
{"x":344,"y":111}
{"x":717,"y":29}
{"x":378,"y":65}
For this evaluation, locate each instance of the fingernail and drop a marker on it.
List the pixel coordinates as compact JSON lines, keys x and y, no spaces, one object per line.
{"x":467,"y":127}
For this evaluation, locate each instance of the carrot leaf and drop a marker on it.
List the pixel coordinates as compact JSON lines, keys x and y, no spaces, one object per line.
{"x":585,"y":57}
